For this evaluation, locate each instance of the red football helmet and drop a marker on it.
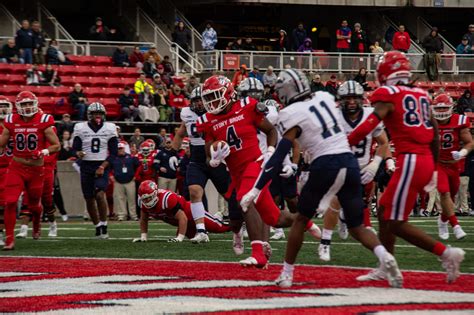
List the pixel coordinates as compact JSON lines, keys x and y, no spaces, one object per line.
{"x":393,"y":66}
{"x":26,"y":104}
{"x":151,"y":143}
{"x":148,"y":194}
{"x":442,"y":107}
{"x":6,"y":106}
{"x":122,"y":145}
{"x":217,"y":93}
{"x":145,"y":148}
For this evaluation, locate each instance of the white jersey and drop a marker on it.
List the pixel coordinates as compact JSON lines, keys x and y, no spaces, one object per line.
{"x":320,"y":123}
{"x":189,"y":118}
{"x":363,"y":149}
{"x":272,"y":116}
{"x":95,"y":144}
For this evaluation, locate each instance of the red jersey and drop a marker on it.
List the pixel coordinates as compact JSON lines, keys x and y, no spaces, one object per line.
{"x":449,"y":135}
{"x":237,"y":127}
{"x":168,"y":205}
{"x":409,"y":124}
{"x":28,"y":137}
{"x":7,"y":153}
{"x":145,"y":170}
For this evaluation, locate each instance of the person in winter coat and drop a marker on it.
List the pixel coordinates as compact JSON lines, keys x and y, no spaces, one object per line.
{"x":136,"y":57}
{"x":182,"y":37}
{"x":332,"y":86}
{"x":120,"y":57}
{"x":240,"y":75}
{"x":401,"y":40}
{"x":464,"y":48}
{"x":343,"y":36}
{"x":465,"y":103}
{"x":283,"y":43}
{"x":209,"y":37}
{"x":316,"y":84}
{"x":24,"y":40}
{"x":433,"y":46}
{"x":361,"y":77}
{"x":298,"y":36}
{"x":359,"y":40}
{"x":99,"y":31}
{"x":269,"y":77}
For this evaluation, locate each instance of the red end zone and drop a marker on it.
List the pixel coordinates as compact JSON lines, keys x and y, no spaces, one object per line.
{"x":91,"y":286}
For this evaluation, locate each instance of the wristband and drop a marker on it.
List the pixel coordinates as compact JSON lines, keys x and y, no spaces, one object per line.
{"x":45,"y":152}
{"x":180,"y":237}
{"x":463,"y":152}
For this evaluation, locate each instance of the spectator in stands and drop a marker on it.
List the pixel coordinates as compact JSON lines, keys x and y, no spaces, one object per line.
{"x":401,"y":40}
{"x":316,"y":84}
{"x":255,"y":73}
{"x":65,"y":124}
{"x":332,"y":85}
{"x":146,"y":105}
{"x":359,"y":40}
{"x":167,"y":176}
{"x":128,"y":107}
{"x":464,"y":48}
{"x":191,"y":85}
{"x":25,"y":42}
{"x":240,"y":75}
{"x":55,"y":56}
{"x":78,"y":100}
{"x":209,"y":37}
{"x":98,"y":31}
{"x":470,"y":35}
{"x":11,"y":53}
{"x":34,"y":76}
{"x":298,"y":36}
{"x":141,"y":83}
{"x":137,"y":138}
{"x":165,"y":77}
{"x":124,"y":166}
{"x":160,"y":101}
{"x":269,"y":78}
{"x":157,"y":83}
{"x":120,"y":57}
{"x":361,"y":77}
{"x":176,"y":98}
{"x":283,"y":43}
{"x":465,"y":103}
{"x":307,"y":46}
{"x":161,"y":138}
{"x":39,"y":42}
{"x":377,"y":51}
{"x":136,"y":57}
{"x":433,"y":46}
{"x":66,"y":146}
{"x":182,"y":37}
{"x":249,"y":45}
{"x":149,"y":67}
{"x":152,"y":52}
{"x":168,"y":66}
{"x":51,"y":76}
{"x":237,"y":44}
{"x":343,"y":36}
{"x":114,"y":35}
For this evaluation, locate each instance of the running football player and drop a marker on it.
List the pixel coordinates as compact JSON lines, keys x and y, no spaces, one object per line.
{"x":6,"y":108}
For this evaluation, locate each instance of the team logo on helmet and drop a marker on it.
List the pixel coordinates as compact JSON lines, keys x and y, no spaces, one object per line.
{"x":148,"y":194}
{"x":26,"y":104}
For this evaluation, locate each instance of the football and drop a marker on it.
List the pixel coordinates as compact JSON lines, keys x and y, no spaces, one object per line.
{"x":216,"y":143}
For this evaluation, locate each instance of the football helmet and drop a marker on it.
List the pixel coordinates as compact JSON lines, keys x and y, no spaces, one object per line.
{"x":185,"y":143}
{"x":251,"y":87}
{"x":151,"y":143}
{"x":442,"y":107}
{"x":96,"y":108}
{"x":393,"y":67}
{"x":26,"y":104}
{"x":217,"y":93}
{"x":6,"y":106}
{"x":351,"y":96}
{"x":197,"y":105}
{"x":122,"y":145}
{"x":291,"y":86}
{"x":145,"y":148}
{"x":148,"y":194}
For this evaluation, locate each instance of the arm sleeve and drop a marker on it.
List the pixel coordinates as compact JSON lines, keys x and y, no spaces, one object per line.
{"x":363,"y":129}
{"x":282,"y":150}
{"x":112,"y":145}
{"x":76,"y":145}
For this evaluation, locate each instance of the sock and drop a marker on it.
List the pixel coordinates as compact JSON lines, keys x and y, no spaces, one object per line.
{"x":98,"y":224}
{"x":309,"y":225}
{"x":444,"y":218}
{"x":380,"y":252}
{"x":257,"y":251}
{"x":288,"y":268}
{"x":453,"y":220}
{"x":438,"y":249}
{"x":198,"y":211}
{"x":327,"y":235}
{"x":104,"y":223}
{"x":367,"y":217}
{"x":52,"y":223}
{"x":200,"y":227}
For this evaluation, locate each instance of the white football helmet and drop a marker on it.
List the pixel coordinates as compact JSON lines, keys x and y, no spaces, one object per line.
{"x":251,"y":87}
{"x":292,"y":86}
{"x":351,"y":96}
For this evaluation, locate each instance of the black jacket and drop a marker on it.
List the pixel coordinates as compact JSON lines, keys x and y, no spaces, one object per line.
{"x":126,"y":101}
{"x":315,"y":87}
{"x":39,"y":40}
{"x":74,"y":97}
{"x":182,"y":38}
{"x":119,"y":57}
{"x":359,"y":38}
{"x":297,"y":38}
{"x":8,"y":52}
{"x":433,"y":44}
{"x":24,"y":38}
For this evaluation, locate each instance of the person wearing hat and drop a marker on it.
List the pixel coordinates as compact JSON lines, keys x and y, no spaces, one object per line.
{"x":470,"y":35}
{"x":167,"y":176}
{"x":332,"y":85}
{"x":283,"y":43}
{"x":317,"y":84}
{"x":433,"y":46}
{"x":464,"y":48}
{"x":128,"y":107}
{"x":240,"y":75}
{"x":255,"y":73}
{"x":152,"y":52}
{"x":99,"y":31}
{"x":359,"y":40}
{"x":401,"y":40}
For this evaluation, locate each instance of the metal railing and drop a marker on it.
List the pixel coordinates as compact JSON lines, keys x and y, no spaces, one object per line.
{"x":414,"y":46}
{"x":222,"y":60}
{"x":423,"y":29}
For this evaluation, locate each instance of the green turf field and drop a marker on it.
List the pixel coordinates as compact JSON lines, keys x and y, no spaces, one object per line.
{"x":76,"y":238}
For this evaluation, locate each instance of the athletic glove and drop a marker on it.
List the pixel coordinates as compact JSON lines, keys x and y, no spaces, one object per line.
{"x":390,"y":165}
{"x":368,"y":172}
{"x":219,"y":154}
{"x":289,"y":170}
{"x":143,"y":238}
{"x":433,"y":182}
{"x":248,"y":198}
{"x":173,"y":163}
{"x":177,"y":239}
{"x":267,"y":155}
{"x":458,"y":155}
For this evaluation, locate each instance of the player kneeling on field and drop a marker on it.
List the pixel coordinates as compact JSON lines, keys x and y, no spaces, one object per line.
{"x":173,"y":209}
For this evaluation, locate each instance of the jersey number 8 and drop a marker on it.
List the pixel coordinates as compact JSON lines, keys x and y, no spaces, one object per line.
{"x":95,"y":145}
{"x":417,"y":111}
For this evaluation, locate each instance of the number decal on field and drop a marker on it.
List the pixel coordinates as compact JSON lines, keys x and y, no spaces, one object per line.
{"x":417,"y":111}
{"x":95,"y":145}
{"x":233,"y":139}
{"x":29,"y":141}
{"x":326,"y":132}
{"x":447,"y":140}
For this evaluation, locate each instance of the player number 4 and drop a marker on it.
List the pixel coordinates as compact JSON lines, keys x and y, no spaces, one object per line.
{"x":232,"y":139}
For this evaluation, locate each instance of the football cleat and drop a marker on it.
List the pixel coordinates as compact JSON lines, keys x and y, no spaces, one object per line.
{"x":278,"y":235}
{"x":97,"y":231}
{"x":238,"y":243}
{"x":23,"y":232}
{"x":443,"y":231}
{"x":200,"y":237}
{"x":64,"y":217}
{"x":376,"y":274}
{"x":9,"y":245}
{"x":343,"y":231}
{"x":267,"y":250}
{"x":284,"y":280}
{"x":451,"y":261}
{"x":390,"y":267}
{"x":324,"y":252}
{"x":53,"y":230}
{"x":103,"y":232}
{"x":459,"y":233}
{"x":253,"y":262}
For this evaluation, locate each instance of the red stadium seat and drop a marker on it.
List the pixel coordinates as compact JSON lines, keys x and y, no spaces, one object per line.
{"x":11,"y":90}
{"x":100,"y":71}
{"x":95,"y":91}
{"x":46,"y":91}
{"x":112,"y":92}
{"x":17,"y":79}
{"x":85,"y":71}
{"x":103,"y":61}
{"x":99,"y":81}
{"x":67,"y":70}
{"x":19,"y":68}
{"x":85,"y":81}
{"x":131,"y":72}
{"x":116,"y":71}
{"x":6,"y":68}
{"x":62,"y":107}
{"x":116,"y":82}
{"x":67,"y":81}
{"x":4,"y":79}
{"x":63,"y":91}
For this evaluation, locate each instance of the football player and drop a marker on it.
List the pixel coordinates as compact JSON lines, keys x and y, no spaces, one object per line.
{"x":406,"y":114}
{"x":230,"y":127}
{"x":5,"y":158}
{"x":173,"y":209}
{"x":453,"y":129}
{"x":314,"y":120}
{"x":351,"y":98}
{"x":146,"y":157}
{"x":93,"y":141}
{"x":31,"y":131}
